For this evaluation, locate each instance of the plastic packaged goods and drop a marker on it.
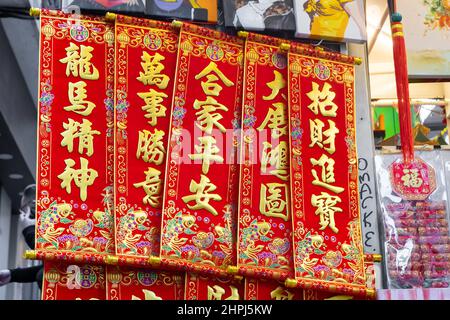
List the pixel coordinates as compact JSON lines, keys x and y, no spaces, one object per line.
{"x":416,"y":233}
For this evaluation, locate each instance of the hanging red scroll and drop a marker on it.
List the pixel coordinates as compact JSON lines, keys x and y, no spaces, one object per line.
{"x":143,"y":284}
{"x":264,"y":234}
{"x":146,"y":53}
{"x":73,"y":282}
{"x":257,"y":289}
{"x":327,"y":243}
{"x":201,"y":175}
{"x":75,"y":135}
{"x":202,"y":288}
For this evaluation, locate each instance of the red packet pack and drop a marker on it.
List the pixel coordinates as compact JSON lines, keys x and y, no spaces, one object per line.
{"x":432,"y":230}
{"x":431,"y":214}
{"x":435,"y":248}
{"x":436,"y":257}
{"x":435,"y":239}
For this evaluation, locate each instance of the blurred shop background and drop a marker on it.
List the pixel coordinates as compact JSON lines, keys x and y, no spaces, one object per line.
{"x":428,"y":47}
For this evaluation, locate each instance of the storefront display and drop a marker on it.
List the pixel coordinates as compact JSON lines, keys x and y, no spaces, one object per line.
{"x":176,"y":161}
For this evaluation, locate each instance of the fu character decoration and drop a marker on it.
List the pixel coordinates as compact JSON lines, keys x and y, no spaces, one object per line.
{"x":411,"y":178}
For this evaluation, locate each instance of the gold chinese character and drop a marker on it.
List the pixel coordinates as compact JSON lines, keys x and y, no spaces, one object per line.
{"x":152,"y":187}
{"x":411,"y":178}
{"x":327,"y":173}
{"x":148,"y":295}
{"x":150,"y":146}
{"x":78,"y":63}
{"x":202,"y":195}
{"x":276,"y":120}
{"x":153,"y":106}
{"x":322,"y":100}
{"x":276,"y":85}
{"x":83,"y":132}
{"x":207,"y":152}
{"x":276,"y":158}
{"x":153,"y":67}
{"x":210,"y":87}
{"x":274,"y":204}
{"x":216,"y":292}
{"x":281,"y":294}
{"x":317,"y":133}
{"x":208,"y":115}
{"x":326,"y":208}
{"x":77,"y":96}
{"x":82,"y":177}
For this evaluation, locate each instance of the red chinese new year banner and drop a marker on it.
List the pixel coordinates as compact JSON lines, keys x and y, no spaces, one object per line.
{"x":328,"y":253}
{"x":260,"y":289}
{"x":146,"y":53}
{"x":198,"y":287}
{"x":264,"y":233}
{"x":200,"y":189}
{"x":142,"y":284}
{"x":75,"y":135}
{"x":73,"y":282}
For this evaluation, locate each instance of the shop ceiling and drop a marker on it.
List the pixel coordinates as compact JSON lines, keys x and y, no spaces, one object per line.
{"x":381,"y":62}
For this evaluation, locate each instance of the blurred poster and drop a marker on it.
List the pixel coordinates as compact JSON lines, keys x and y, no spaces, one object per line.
{"x":197,"y":10}
{"x":48,"y":4}
{"x":107,"y":5}
{"x":259,"y":15}
{"x":427,"y":36}
{"x":338,"y":20}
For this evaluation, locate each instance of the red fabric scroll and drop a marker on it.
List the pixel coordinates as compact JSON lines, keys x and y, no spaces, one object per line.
{"x":259,"y":289}
{"x":75,"y":135}
{"x":146,"y":54}
{"x":202,"y":288}
{"x":264,"y":234}
{"x":73,"y":282}
{"x":201,"y":175}
{"x":142,"y":284}
{"x":256,"y":289}
{"x":328,"y":253}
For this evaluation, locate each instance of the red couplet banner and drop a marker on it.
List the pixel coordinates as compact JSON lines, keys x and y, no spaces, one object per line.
{"x":73,"y":282}
{"x":202,"y":288}
{"x":259,"y":289}
{"x":141,"y":284}
{"x":327,"y":242}
{"x":75,"y":135}
{"x":264,"y":233}
{"x":200,"y":189}
{"x":146,"y":53}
